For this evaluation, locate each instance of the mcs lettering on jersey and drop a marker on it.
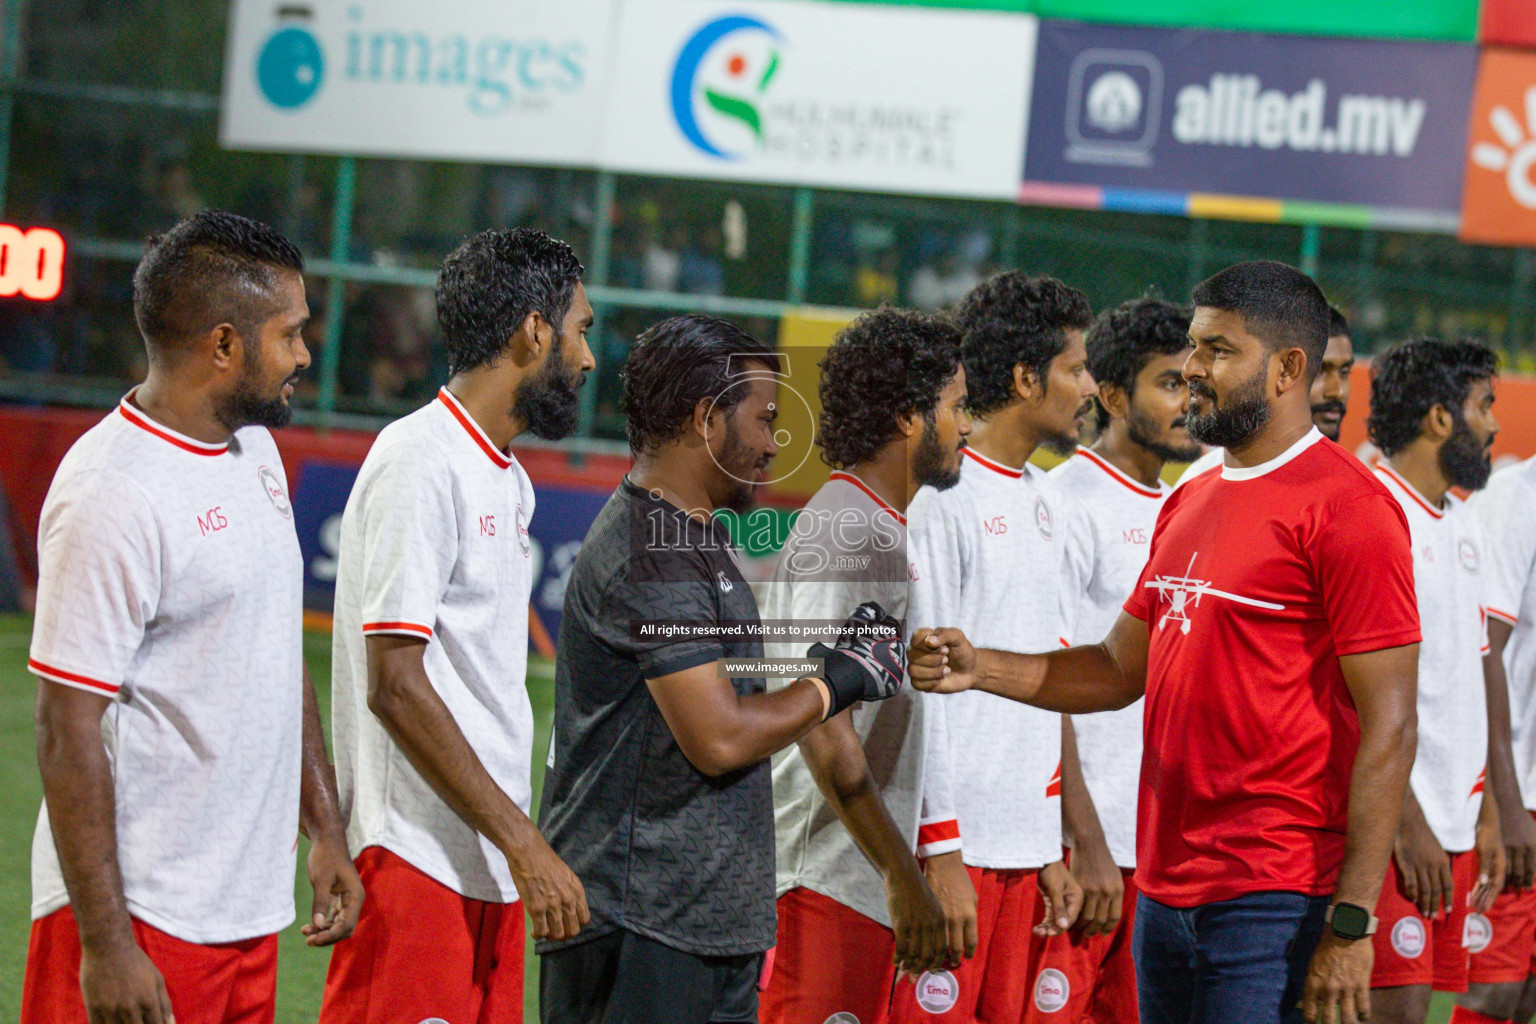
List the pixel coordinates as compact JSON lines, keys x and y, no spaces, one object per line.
{"x":213,"y":521}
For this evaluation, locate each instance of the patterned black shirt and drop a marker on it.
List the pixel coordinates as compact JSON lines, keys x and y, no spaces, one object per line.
{"x":662,"y":849}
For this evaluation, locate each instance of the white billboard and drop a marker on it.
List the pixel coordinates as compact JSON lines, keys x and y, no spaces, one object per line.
{"x":885,"y":99}
{"x":513,"y":81}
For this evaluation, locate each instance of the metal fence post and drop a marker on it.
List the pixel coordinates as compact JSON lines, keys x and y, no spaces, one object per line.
{"x":1311,"y":242}
{"x":597,"y":275}
{"x":336,"y":287}
{"x":800,"y":244}
{"x":10,"y":65}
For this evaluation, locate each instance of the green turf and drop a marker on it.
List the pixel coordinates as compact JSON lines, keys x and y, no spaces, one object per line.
{"x":301,"y":970}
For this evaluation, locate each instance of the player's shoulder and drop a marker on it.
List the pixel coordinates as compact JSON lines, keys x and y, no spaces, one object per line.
{"x":412,"y":444}
{"x":1516,"y":483}
{"x":1340,"y":476}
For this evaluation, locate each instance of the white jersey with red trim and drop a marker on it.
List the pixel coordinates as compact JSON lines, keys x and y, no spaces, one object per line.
{"x":170,"y":581}
{"x":1504,"y":510}
{"x":435,"y":546}
{"x":987,"y":558}
{"x":1450,"y":577}
{"x":1106,"y":549}
{"x":1212,"y":459}
{"x":848,"y":546}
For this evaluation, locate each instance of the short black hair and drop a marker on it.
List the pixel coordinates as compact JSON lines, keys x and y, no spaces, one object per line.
{"x":678,"y":362}
{"x":1009,"y":319}
{"x":1123,"y":340}
{"x":211,"y":268}
{"x":1280,"y":306}
{"x":1338,"y":324}
{"x":489,"y":284}
{"x":1412,"y":378}
{"x":886,"y":364}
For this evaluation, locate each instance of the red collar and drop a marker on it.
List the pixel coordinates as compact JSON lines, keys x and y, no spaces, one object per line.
{"x":134,"y":415}
{"x":849,"y":478}
{"x":472,"y":428}
{"x":996,"y":467}
{"x":1118,"y":476}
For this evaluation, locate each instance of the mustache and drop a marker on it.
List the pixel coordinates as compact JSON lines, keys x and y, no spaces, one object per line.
{"x":1201,"y":388}
{"x":1332,"y":405}
{"x":1179,"y":424}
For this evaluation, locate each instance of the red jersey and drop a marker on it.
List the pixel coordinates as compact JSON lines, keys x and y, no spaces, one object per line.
{"x":1258,"y":581}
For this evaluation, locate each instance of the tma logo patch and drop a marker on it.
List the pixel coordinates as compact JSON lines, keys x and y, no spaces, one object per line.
{"x":723,"y":73}
{"x":291,"y":64}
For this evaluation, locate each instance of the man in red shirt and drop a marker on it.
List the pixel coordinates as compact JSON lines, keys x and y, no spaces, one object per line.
{"x":1274,"y":633}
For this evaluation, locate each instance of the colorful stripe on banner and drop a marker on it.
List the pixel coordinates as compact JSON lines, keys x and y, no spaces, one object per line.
{"x":1218,"y":207}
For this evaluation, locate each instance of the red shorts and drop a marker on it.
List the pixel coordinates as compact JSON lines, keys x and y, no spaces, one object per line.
{"x":1088,"y":979}
{"x":1503,"y":941}
{"x":995,"y":985}
{"x":421,"y":950}
{"x":228,"y":983}
{"x":1412,"y":950}
{"x":830,"y":960}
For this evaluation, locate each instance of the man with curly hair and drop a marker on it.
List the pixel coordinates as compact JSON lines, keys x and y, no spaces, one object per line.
{"x":1274,"y":633}
{"x":659,"y":793}
{"x":850,"y":800}
{"x":1432,"y":418}
{"x":988,"y":552}
{"x":1136,"y":353}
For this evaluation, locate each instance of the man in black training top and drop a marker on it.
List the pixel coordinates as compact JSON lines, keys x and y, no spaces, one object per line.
{"x":659,"y":795}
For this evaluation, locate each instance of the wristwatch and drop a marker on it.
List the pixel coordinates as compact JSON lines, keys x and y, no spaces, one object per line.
{"x":1349,"y":921}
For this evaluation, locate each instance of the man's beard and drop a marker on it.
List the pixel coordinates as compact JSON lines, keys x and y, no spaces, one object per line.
{"x":245,"y":406}
{"x":1246,"y":412}
{"x":1065,"y":444}
{"x":932,"y":466}
{"x":1466,"y":462}
{"x":1333,"y":405}
{"x":549,"y":402}
{"x":1142,"y":432}
{"x":741,"y":469}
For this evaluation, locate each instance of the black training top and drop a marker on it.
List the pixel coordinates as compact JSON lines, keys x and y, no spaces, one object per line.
{"x":663,"y":850}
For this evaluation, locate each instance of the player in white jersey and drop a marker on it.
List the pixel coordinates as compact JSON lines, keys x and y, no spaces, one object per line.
{"x":1136,"y":353}
{"x":177,"y":730}
{"x":1432,"y":417}
{"x":1503,"y":975}
{"x":892,"y":420}
{"x":433,"y":726}
{"x":989,"y":552}
{"x":1329,"y":392}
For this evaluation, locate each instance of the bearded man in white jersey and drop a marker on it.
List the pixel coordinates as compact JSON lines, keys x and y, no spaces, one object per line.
{"x":852,"y":804}
{"x":1329,"y":393}
{"x":1432,"y":417}
{"x":177,"y":729}
{"x":989,"y":552}
{"x":1502,"y":980}
{"x":1136,"y":353}
{"x":433,"y":726}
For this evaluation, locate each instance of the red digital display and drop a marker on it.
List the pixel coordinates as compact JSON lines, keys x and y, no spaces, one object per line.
{"x":31,"y":262}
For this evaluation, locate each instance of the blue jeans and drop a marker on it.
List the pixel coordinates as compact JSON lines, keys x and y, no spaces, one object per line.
{"x":1241,"y":961}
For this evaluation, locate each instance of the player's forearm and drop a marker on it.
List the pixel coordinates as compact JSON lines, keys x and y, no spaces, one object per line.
{"x":319,"y":805}
{"x":1075,"y":681}
{"x":755,"y":727}
{"x":837,"y":762}
{"x":1503,"y":781}
{"x":1378,"y":793}
{"x":82,"y":813}
{"x":422,"y":726}
{"x":1079,"y":818}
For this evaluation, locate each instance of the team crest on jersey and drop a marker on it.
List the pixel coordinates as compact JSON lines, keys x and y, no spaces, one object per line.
{"x":1408,"y":938}
{"x":1043,"y":518}
{"x":1052,"y":990}
{"x":841,"y":1017}
{"x":273,"y":485}
{"x":937,"y":991}
{"x":522,"y":531}
{"x":1467,"y":552}
{"x":1183,"y":595}
{"x":1477,"y":933}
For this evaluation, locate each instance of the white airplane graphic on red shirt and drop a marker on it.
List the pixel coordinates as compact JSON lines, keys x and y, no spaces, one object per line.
{"x":1177,"y":590}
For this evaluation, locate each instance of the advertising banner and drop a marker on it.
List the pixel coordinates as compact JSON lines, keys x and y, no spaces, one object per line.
{"x":1499,"y":201}
{"x":880,"y":99}
{"x":1508,"y":23}
{"x":1372,"y":123}
{"x":517,"y":81}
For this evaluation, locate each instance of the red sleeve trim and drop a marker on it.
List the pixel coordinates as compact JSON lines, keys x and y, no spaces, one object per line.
{"x":412,"y":628}
{"x":1504,"y":616}
{"x":1365,"y":645}
{"x":938,"y":832}
{"x":58,"y":675}
{"x":1053,"y":788}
